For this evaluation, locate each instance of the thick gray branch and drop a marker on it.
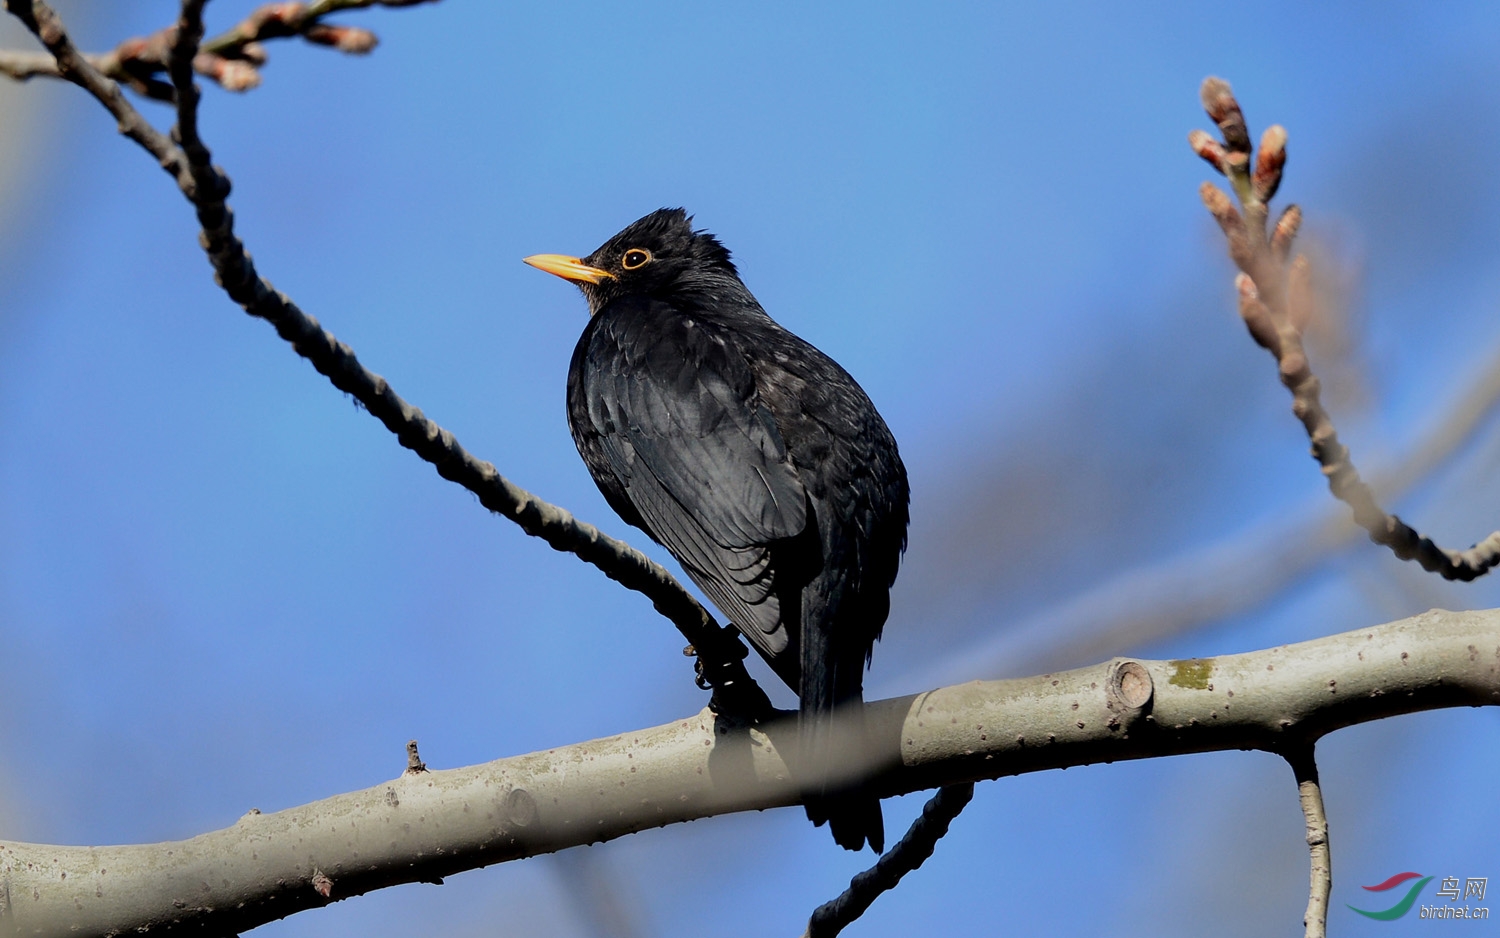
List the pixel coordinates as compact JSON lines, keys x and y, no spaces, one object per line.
{"x":423,"y":826}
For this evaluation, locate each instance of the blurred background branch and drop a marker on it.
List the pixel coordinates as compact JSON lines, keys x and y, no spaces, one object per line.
{"x":1216,"y":581}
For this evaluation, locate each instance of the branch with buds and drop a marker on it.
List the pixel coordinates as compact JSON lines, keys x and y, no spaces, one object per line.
{"x":184,"y":156}
{"x":233,"y":59}
{"x":1276,"y":303}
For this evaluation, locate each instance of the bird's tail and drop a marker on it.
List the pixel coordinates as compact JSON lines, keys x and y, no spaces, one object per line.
{"x":831,"y":732}
{"x":852,"y":816}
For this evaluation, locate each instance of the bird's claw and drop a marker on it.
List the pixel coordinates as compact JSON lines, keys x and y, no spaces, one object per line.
{"x":734,"y":693}
{"x":699,"y":677}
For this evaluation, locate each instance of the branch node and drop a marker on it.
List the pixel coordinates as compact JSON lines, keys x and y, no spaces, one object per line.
{"x":1130,"y":685}
{"x":414,"y":763}
{"x":1257,"y":316}
{"x":321,"y":884}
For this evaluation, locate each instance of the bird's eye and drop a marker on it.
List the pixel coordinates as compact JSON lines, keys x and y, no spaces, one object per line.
{"x":635,"y":257}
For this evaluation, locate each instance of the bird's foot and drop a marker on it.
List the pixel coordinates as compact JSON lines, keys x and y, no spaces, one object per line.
{"x":700,"y":676}
{"x":735,"y":693}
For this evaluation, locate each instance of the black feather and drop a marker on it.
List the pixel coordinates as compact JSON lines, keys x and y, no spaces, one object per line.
{"x":756,"y":460}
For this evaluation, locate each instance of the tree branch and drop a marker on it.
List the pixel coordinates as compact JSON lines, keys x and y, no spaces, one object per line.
{"x":910,"y":852}
{"x":428,"y":825}
{"x":1275,"y":303}
{"x":233,"y":59}
{"x":720,"y":652}
{"x":1310,"y":793}
{"x":1155,"y":601}
{"x":424,"y":824}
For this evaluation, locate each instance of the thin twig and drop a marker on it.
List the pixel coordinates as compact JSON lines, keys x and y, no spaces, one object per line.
{"x":210,"y":187}
{"x":719,"y":650}
{"x":26,"y":65}
{"x":1310,"y":792}
{"x":1275,"y":299}
{"x":233,"y":59}
{"x":910,"y":852}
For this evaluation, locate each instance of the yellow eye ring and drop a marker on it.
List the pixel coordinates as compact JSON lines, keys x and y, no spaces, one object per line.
{"x":634,"y":258}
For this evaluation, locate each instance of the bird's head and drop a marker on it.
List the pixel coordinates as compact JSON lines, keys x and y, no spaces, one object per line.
{"x":656,"y":256}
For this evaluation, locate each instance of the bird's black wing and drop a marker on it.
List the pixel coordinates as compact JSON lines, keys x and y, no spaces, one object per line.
{"x":665,"y":411}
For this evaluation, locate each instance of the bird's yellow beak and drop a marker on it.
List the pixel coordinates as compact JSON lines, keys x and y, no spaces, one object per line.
{"x":568,"y":268}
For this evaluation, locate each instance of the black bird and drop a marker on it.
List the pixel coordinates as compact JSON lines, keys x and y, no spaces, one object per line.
{"x":751,"y":456}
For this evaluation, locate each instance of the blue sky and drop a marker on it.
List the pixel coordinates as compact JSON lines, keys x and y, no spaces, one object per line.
{"x":223,"y":586}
